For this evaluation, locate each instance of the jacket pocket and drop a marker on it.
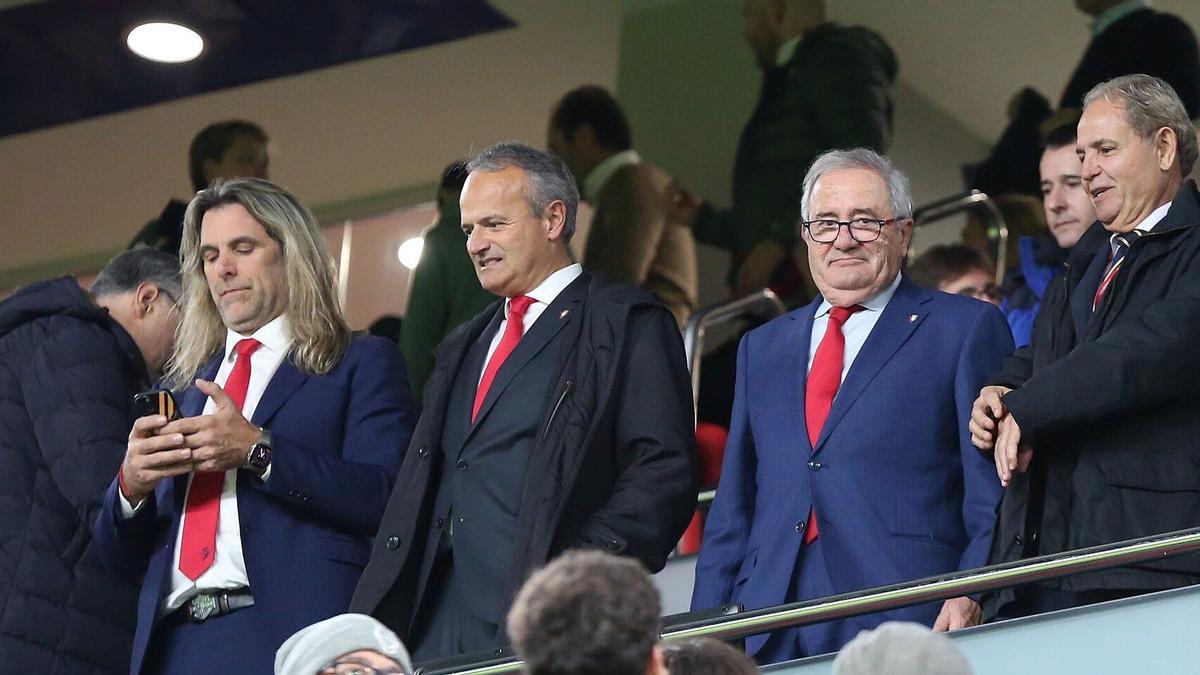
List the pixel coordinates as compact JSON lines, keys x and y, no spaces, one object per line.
{"x":598,"y":536}
{"x":346,"y":549}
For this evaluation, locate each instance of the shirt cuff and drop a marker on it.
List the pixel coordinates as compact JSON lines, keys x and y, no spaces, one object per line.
{"x":128,"y":510}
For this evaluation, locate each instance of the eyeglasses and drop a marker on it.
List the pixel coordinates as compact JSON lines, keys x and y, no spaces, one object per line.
{"x":353,"y":668}
{"x":862,"y":230}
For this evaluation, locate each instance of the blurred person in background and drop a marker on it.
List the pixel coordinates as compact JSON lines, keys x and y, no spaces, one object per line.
{"x":957,"y":269}
{"x":444,"y":291}
{"x":222,"y":150}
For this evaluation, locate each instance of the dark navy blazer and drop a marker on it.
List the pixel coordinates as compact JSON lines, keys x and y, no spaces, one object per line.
{"x":899,"y":490}
{"x":338,"y":442}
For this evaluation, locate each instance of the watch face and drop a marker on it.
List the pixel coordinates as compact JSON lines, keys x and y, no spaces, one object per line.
{"x":259,"y":457}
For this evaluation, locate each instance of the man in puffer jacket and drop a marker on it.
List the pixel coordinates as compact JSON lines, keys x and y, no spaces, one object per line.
{"x":70,"y":363}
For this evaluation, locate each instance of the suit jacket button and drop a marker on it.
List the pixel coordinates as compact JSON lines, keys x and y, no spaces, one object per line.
{"x":1018,"y":540}
{"x":393,"y":543}
{"x":800,"y":526}
{"x":438,"y":523}
{"x":461,"y":464}
{"x":423,"y":453}
{"x":815,"y":466}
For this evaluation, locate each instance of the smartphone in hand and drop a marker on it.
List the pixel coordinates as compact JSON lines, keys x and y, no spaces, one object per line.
{"x":156,"y":402}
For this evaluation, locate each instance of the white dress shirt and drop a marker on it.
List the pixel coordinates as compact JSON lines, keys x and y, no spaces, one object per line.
{"x":856,"y":329}
{"x":1145,"y":226}
{"x":594,"y":183}
{"x":543,"y":295}
{"x":229,"y":567}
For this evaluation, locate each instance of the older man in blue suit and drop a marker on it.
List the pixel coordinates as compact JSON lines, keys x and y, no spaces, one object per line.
{"x":849,"y":464}
{"x":251,"y":516}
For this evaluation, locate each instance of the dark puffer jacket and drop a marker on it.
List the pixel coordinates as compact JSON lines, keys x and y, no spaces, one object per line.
{"x":67,"y":375}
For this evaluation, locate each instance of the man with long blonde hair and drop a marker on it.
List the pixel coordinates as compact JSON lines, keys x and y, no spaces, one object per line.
{"x":291,"y":436}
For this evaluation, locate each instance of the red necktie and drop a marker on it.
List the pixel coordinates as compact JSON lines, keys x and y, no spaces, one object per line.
{"x":512,"y":335}
{"x":824,"y":378}
{"x":198,"y":549}
{"x":1116,"y":255}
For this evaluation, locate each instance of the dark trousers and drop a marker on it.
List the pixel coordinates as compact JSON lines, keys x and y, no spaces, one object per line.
{"x":444,"y":624}
{"x":231,"y":643}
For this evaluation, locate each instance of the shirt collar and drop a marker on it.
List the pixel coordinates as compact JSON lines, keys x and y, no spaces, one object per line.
{"x":1148,"y":222}
{"x":875,"y":303}
{"x":1115,"y":13}
{"x":275,"y":336}
{"x":554,"y":284}
{"x":787,"y":50}
{"x":594,"y":183}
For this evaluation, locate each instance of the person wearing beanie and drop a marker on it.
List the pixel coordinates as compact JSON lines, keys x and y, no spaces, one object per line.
{"x":350,"y":640}
{"x":901,"y":648}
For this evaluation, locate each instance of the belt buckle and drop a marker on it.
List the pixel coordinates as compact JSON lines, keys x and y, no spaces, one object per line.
{"x":201,"y":607}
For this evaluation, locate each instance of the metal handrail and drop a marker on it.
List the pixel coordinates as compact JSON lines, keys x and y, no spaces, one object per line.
{"x":941,"y":587}
{"x":764,"y":304}
{"x":977,"y":201}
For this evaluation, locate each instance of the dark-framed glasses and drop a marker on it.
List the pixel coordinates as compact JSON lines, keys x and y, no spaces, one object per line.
{"x":354,"y":668}
{"x":862,"y":230}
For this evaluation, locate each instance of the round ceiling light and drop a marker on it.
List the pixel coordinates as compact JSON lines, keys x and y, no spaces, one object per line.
{"x":409,"y":252}
{"x":165,"y":42}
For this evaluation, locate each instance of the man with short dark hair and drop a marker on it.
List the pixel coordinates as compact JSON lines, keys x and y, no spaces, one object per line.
{"x":1069,"y":213}
{"x":251,"y":515}
{"x":957,"y":269}
{"x":70,"y":363}
{"x":222,"y":150}
{"x":1092,"y":427}
{"x":444,"y":291}
{"x":587,"y":613}
{"x":848,"y":465}
{"x":558,"y":418}
{"x":632,"y":238}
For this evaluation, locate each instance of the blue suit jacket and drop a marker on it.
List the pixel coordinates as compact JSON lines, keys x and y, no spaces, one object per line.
{"x":899,"y":490}
{"x":338,"y":441}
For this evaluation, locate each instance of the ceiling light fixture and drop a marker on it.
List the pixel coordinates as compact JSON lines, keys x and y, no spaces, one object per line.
{"x":165,"y":42}
{"x":409,"y":252}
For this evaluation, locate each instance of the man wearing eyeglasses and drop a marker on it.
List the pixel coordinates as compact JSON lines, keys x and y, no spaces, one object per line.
{"x":849,"y":464}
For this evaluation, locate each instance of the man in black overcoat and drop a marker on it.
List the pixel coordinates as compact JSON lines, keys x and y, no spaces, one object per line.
{"x":559,"y":418}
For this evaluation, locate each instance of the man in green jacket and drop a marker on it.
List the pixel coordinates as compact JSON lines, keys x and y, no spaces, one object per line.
{"x":445,"y":291}
{"x":825,"y":86}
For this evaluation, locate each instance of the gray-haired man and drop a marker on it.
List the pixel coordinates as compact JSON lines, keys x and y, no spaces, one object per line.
{"x":1093,"y":425}
{"x":70,"y":363}
{"x":560,"y":417}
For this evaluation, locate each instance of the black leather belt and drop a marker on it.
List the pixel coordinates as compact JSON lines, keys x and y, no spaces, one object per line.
{"x":204,"y":606}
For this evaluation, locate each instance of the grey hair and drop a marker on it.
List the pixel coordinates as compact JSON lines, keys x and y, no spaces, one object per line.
{"x":899,"y":189}
{"x":549,"y":178}
{"x":128,"y":269}
{"x":1150,"y":104}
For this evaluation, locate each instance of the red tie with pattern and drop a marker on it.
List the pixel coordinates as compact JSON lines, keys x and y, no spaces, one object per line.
{"x":512,"y":335}
{"x":198,"y":549}
{"x":824,"y":378}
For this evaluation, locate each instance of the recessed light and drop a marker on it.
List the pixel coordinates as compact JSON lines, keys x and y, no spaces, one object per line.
{"x":409,"y":253}
{"x":165,"y":42}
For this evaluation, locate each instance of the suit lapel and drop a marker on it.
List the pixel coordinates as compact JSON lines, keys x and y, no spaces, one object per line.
{"x":284,"y":382}
{"x":563,"y":310}
{"x":790,"y":356}
{"x":899,"y":319}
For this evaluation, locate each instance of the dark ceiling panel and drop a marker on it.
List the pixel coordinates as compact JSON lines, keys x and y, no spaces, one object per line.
{"x":66,"y":60}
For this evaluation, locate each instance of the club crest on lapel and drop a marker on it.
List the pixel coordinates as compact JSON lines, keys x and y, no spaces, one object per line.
{"x":912,"y":318}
